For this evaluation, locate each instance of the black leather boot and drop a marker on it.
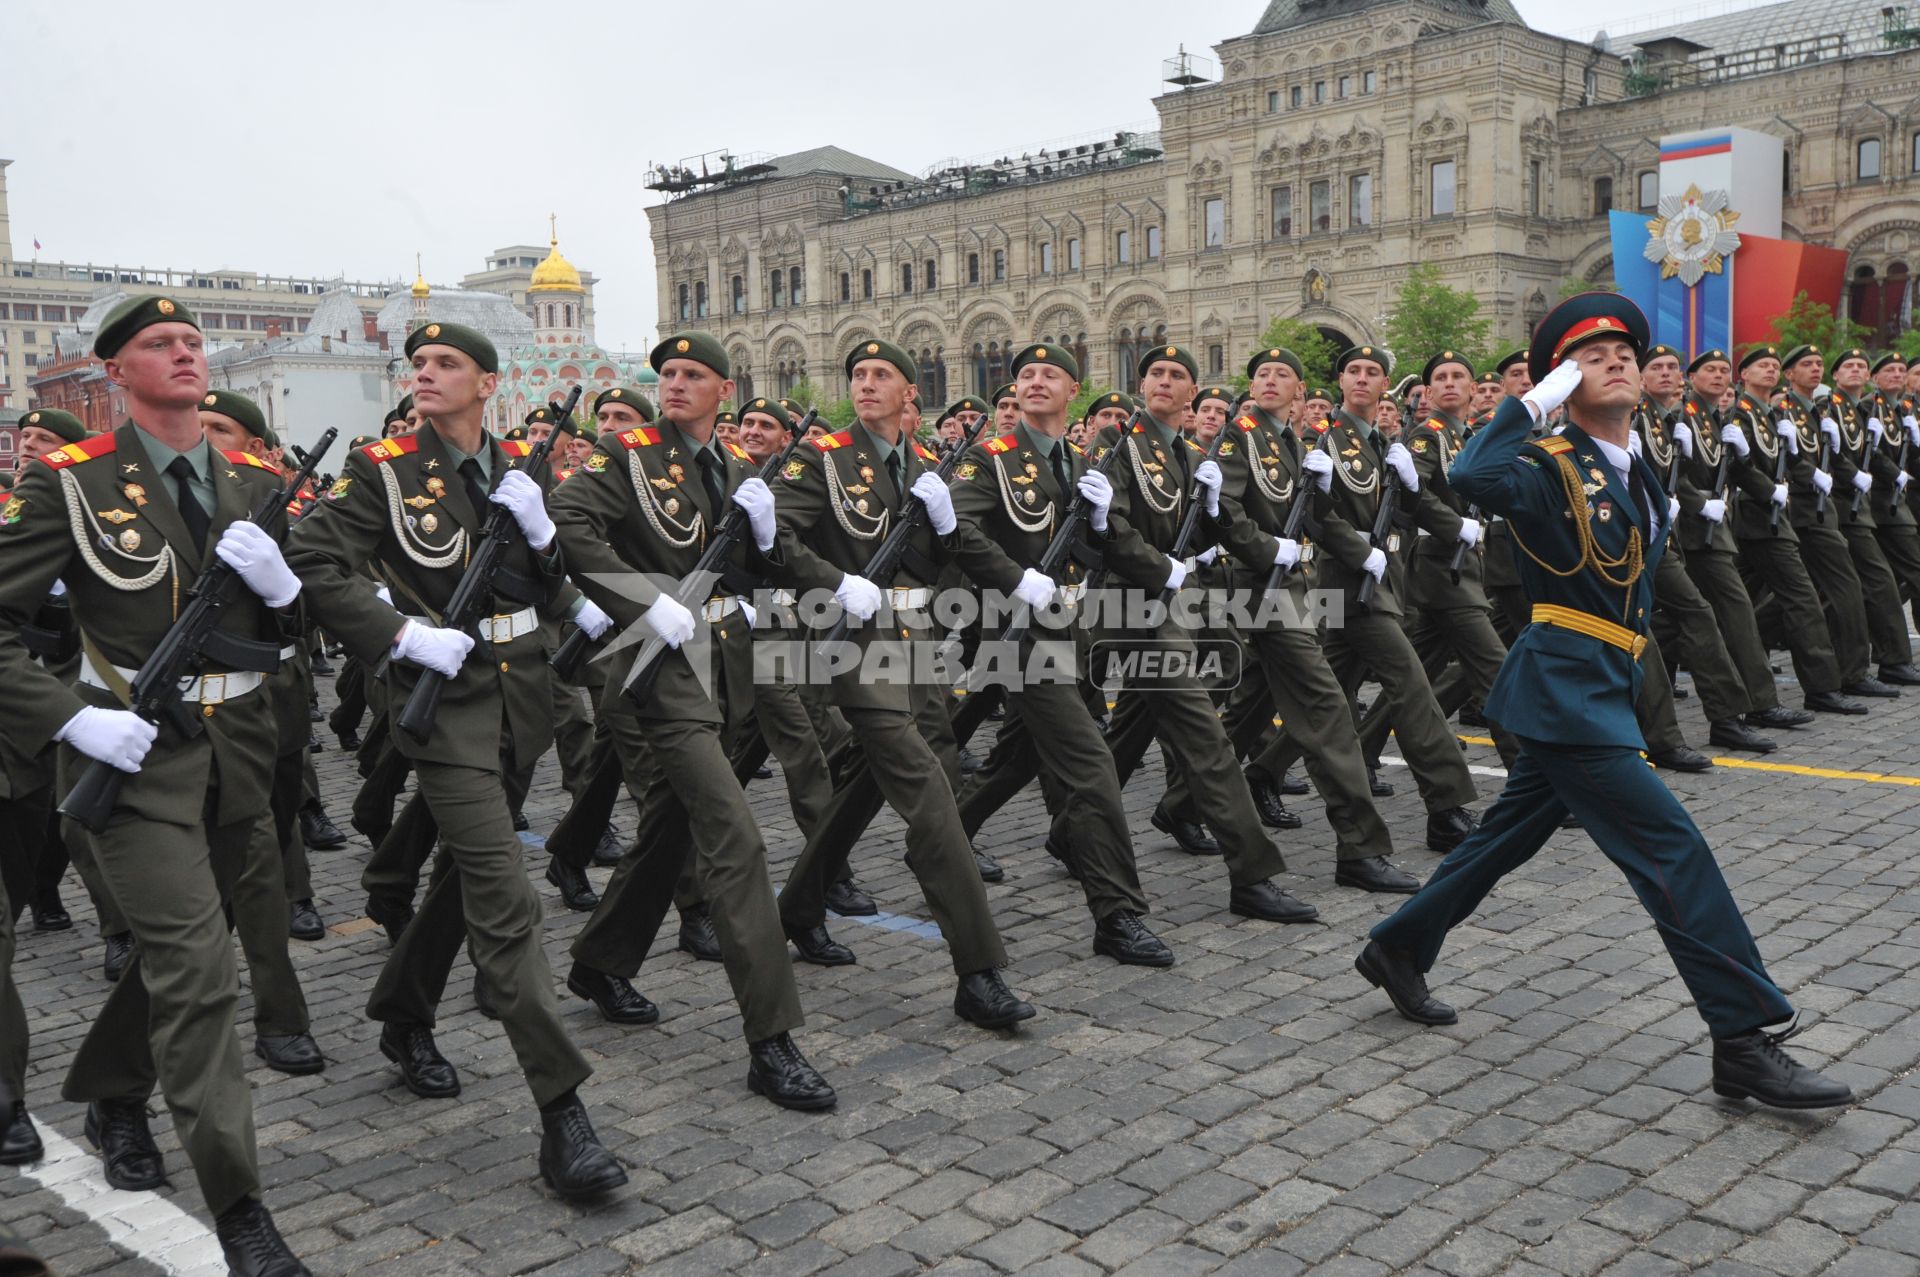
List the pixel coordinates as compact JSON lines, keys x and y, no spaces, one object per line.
{"x":779,"y":1072}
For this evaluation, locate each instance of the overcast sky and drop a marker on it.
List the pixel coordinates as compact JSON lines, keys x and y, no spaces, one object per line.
{"x":341,"y":138}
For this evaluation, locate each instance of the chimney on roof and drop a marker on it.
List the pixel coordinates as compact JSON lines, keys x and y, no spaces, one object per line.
{"x":273,"y":329}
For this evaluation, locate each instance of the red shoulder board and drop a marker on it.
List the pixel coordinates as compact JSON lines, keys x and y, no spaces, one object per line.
{"x":85,"y":450}
{"x":1320,"y":426}
{"x":1748,"y":405}
{"x":515,"y":447}
{"x":1434,"y":423}
{"x":827,"y":443}
{"x":1691,"y":410}
{"x":246,"y":459}
{"x":739,"y":452}
{"x":927,"y":454}
{"x":1005,"y":443}
{"x":639,"y":437}
{"x":1553,"y":445}
{"x":1077,"y":448}
{"x":388,"y":449}
{"x":564,"y":476}
{"x":1247,"y":424}
{"x":1140,"y":429}
{"x":1191,"y":444}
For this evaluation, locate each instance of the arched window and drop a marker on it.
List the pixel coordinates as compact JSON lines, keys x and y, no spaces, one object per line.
{"x":686,"y":305}
{"x":1602,"y":196}
{"x":846,"y":286}
{"x":1883,"y":303}
{"x":742,"y":373}
{"x":699,"y":302}
{"x":566,"y":309}
{"x":1867,"y":159}
{"x":777,"y":291}
{"x":973,"y":263}
{"x":866,"y":285}
{"x":683,"y":290}
{"x":796,"y":288}
{"x":933,"y":275}
{"x":739,"y":295}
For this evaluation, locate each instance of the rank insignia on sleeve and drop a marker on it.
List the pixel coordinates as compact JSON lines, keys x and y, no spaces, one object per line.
{"x":14,"y":509}
{"x":793,"y":470}
{"x":339,"y":488}
{"x":596,"y":463}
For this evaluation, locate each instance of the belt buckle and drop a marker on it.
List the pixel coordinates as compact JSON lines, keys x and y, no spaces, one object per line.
{"x":492,"y":626}
{"x":213,"y":689}
{"x":898,"y":598}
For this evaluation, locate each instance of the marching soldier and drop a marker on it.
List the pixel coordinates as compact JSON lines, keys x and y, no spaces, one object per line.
{"x":1855,"y":435}
{"x":155,"y":503}
{"x":414,"y":504}
{"x":1566,"y":692}
{"x":1893,"y":522}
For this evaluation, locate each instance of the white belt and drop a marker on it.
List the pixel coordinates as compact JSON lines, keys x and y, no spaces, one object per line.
{"x":205,"y":689}
{"x":904,"y":600}
{"x":716,"y":609}
{"x":507,"y":626}
{"x":1071,"y":594}
{"x":782,"y":598}
{"x":287,"y":652}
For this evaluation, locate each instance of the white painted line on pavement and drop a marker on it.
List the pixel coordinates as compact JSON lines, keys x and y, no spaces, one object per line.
{"x":145,"y":1224}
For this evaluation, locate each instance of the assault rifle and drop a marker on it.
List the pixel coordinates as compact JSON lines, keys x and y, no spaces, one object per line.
{"x":1074,"y":522}
{"x":1191,"y":519}
{"x":1377,"y":537}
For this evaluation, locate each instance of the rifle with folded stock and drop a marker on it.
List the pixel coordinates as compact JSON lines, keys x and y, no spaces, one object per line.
{"x":1072,"y":524}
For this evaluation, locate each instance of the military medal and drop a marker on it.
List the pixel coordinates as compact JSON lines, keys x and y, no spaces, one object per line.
{"x":436,"y":486}
{"x":1606,"y":511}
{"x":672,"y":505}
{"x":116,"y":517}
{"x":1598,"y":477}
{"x":429,"y":523}
{"x":130,"y":540}
{"x":135,"y":493}
{"x":866,"y":474}
{"x":860,"y":506}
{"x":419,"y":503}
{"x":1273,"y":474}
{"x":1032,"y":496}
{"x":676,"y":473}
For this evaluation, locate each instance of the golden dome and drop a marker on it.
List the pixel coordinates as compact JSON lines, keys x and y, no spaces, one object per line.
{"x":556,"y":274}
{"x":420,"y":288}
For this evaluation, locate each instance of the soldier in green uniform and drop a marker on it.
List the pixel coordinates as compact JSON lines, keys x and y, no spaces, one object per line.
{"x":413,"y":504}
{"x":1893,"y":522}
{"x":128,"y":521}
{"x":1846,"y":418}
{"x":837,"y":499}
{"x":1588,"y":517}
{"x":647,"y":501}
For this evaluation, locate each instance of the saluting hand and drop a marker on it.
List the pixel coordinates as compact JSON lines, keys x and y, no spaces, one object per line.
{"x":1553,"y":389}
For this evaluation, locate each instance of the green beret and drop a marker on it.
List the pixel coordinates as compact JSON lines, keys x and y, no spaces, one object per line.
{"x":1891,"y":357}
{"x":538,"y":414}
{"x":1004,"y":392}
{"x":548,"y":413}
{"x":775,"y":408}
{"x":1321,"y":392}
{"x":1491,"y":378}
{"x":1439,"y":361}
{"x":362,"y":441}
{"x":702,"y":348}
{"x":1509,"y":359}
{"x":887,"y":352}
{"x":515,"y":434}
{"x":406,"y":404}
{"x":1169,"y":354}
{"x":270,"y":439}
{"x":1659,"y":351}
{"x":1113,"y":399}
{"x":133,"y":314}
{"x":1276,"y":355}
{"x":240,"y":408}
{"x":589,"y":434}
{"x":1852,"y":352}
{"x":470,"y":342}
{"x":627,"y":395}
{"x":966,"y":403}
{"x":1378,"y":354}
{"x":69,"y":427}
{"x":795,"y":409}
{"x":393,"y":415}
{"x":1706,"y":357}
{"x":1798,"y":353}
{"x":1220,"y":393}
{"x":1055,"y":355}
{"x":1758,"y":353}
{"x":726,"y":415}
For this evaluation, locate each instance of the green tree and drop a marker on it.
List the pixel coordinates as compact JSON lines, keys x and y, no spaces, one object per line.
{"x":1908,"y":345}
{"x":1088,"y":393}
{"x":1574,"y":287}
{"x":1430,"y":317}
{"x":1814,"y":323}
{"x":1316,"y":351}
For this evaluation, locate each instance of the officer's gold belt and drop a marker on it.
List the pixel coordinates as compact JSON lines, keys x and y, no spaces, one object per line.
{"x":1592,"y":626}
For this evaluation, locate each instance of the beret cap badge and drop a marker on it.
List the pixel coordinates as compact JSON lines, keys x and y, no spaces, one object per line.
{"x":873,"y":348}
{"x":682,"y":345}
{"x":164,"y":306}
{"x":433,"y":330}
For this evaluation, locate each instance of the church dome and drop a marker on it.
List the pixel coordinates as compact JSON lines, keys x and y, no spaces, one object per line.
{"x":556,"y":274}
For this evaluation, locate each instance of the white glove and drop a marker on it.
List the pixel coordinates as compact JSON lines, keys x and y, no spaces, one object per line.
{"x":521,"y":496}
{"x":1900,"y":481}
{"x":1095,"y":488}
{"x":1822,"y":390}
{"x":858,"y":596}
{"x":1035,"y":589}
{"x":1789,"y":435}
{"x":1470,"y":531}
{"x":746,"y":610}
{"x":1402,"y":462}
{"x":1286,"y":553}
{"x":57,"y":589}
{"x":933,"y":494}
{"x":1831,"y":429}
{"x":384,"y":595}
{"x":1913,"y":429}
{"x":756,"y":498}
{"x":1780,"y":494}
{"x":591,"y":619}
{"x":1673,"y":508}
{"x":1177,"y":577}
{"x":118,"y":737}
{"x":1822,"y":481}
{"x":670,"y":619}
{"x":1683,"y":439}
{"x":1875,"y":429}
{"x":1207,"y":475}
{"x":1736,"y":438}
{"x":438,"y":650}
{"x":1633,"y":443}
{"x":1206,"y":557}
{"x":1552,"y":390}
{"x":1320,"y":466}
{"x":1862,"y":481}
{"x":1376,"y":562}
{"x":247,"y":549}
{"x":1714,"y":510}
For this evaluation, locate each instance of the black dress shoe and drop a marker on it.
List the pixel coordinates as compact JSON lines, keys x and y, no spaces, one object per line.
{"x":846,"y":899}
{"x":393,"y":915}
{"x":1448,"y":829}
{"x":984,"y":999}
{"x":1683,"y":759}
{"x":1375,"y":873}
{"x":1379,"y":788}
{"x":303,"y":920}
{"x":572,"y":1158}
{"x":1470,"y":716}
{"x":1753,"y":1067}
{"x":697,"y":935}
{"x":520,"y":825}
{"x":425,"y":1071}
{"x":1834,"y":703}
{"x":19,"y":1141}
{"x":1871,"y":687}
{"x":1190,"y":835}
{"x":119,"y":952}
{"x":990,"y":870}
{"x":778,"y":1071}
{"x":969,"y":761}
{"x":252,"y":1245}
{"x":1394,"y":974}
{"x":1292,"y":786}
{"x":607,"y":852}
{"x":1124,"y":938}
{"x":619,"y":1001}
{"x":1266,"y":800}
{"x":295,"y":1053}
{"x":49,"y":913}
{"x":1902,"y":675}
{"x":763,"y":772}
{"x":1779,"y":716}
{"x":1267,"y":902}
{"x":819,"y":947}
{"x":349,"y":741}
{"x":319,"y":832}
{"x":1731,"y":733}
{"x":118,"y":1128}
{"x":321,"y":665}
{"x":1062,"y":852}
{"x":576,"y":893}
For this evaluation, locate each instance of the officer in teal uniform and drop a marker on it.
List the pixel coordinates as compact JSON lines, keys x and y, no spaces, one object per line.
{"x":1590,"y":521}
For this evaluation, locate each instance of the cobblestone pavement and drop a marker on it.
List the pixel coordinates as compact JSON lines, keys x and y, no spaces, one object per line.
{"x":1256,"y":1109}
